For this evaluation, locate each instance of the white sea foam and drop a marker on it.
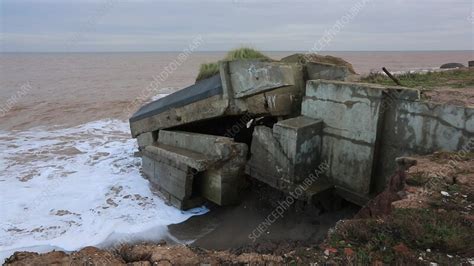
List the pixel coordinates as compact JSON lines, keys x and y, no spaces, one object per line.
{"x":74,"y":187}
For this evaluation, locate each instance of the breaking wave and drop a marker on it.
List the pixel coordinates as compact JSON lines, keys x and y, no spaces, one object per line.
{"x":75,"y":187}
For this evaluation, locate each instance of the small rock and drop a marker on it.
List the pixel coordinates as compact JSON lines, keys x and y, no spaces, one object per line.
{"x":401,"y":248}
{"x":428,"y":250}
{"x":469,"y":218}
{"x":465,"y":180}
{"x":449,"y":256}
{"x":378,"y":263}
{"x":452,"y":65}
{"x":444,"y":193}
{"x":449,"y":179}
{"x":329,"y":251}
{"x":420,"y":258}
{"x":348,"y":252}
{"x":433,"y":264}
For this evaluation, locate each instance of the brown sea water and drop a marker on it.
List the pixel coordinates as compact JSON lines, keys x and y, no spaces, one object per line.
{"x":71,"y":89}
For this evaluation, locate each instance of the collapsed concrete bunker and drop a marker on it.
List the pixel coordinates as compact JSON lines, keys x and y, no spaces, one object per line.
{"x":291,"y":124}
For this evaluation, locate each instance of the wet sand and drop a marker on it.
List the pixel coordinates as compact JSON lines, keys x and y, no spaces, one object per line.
{"x":236,"y":228}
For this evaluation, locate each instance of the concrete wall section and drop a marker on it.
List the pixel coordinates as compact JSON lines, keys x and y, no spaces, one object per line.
{"x":418,"y":127}
{"x":351,"y":115}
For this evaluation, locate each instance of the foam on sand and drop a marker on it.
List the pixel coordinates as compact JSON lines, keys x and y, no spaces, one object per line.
{"x":74,"y":187}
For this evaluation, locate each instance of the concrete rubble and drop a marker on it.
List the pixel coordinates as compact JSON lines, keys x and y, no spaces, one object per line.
{"x":278,"y":122}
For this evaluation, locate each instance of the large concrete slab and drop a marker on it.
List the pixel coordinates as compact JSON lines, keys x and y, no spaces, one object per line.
{"x":207,"y":108}
{"x":243,"y":86}
{"x":352,"y":119}
{"x":197,"y":92}
{"x":249,"y":77}
{"x":180,"y":156}
{"x":215,"y":146}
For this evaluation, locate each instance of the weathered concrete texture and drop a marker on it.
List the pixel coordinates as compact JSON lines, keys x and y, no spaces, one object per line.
{"x":300,"y":140}
{"x":284,"y":101}
{"x":351,"y":115}
{"x":417,"y":127}
{"x":367,"y":126}
{"x":186,"y":165}
{"x":173,"y":179}
{"x":249,"y":77}
{"x":327,"y":71}
{"x":221,"y":180}
{"x":247,"y":86}
{"x":287,"y":154}
{"x":268,"y":163}
{"x":147,"y":138}
{"x":212,"y":107}
{"x":263,"y":88}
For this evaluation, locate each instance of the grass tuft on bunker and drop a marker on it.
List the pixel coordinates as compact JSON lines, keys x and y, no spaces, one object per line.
{"x":208,"y":70}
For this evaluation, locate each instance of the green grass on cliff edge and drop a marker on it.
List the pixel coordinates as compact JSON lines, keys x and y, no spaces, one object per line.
{"x":458,"y":78}
{"x":210,"y":69}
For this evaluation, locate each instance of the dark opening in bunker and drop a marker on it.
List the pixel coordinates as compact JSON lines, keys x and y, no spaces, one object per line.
{"x":240,"y":128}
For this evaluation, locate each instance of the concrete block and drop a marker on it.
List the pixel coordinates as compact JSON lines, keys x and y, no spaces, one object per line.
{"x":177,"y":181}
{"x":173,"y":179}
{"x":216,"y":146}
{"x":300,"y":140}
{"x":287,"y":154}
{"x":326,"y":71}
{"x":215,"y":164}
{"x":186,"y":204}
{"x":148,"y":166}
{"x":284,"y":101}
{"x":268,"y":162}
{"x":222,"y":182}
{"x":147,"y":138}
{"x":249,"y":77}
{"x":195,"y":160}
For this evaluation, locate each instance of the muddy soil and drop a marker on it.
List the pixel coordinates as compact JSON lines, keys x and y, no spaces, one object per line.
{"x":431,"y":222}
{"x":237,"y":227}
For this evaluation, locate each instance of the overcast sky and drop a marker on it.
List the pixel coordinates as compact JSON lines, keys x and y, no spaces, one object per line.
{"x":146,"y":25}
